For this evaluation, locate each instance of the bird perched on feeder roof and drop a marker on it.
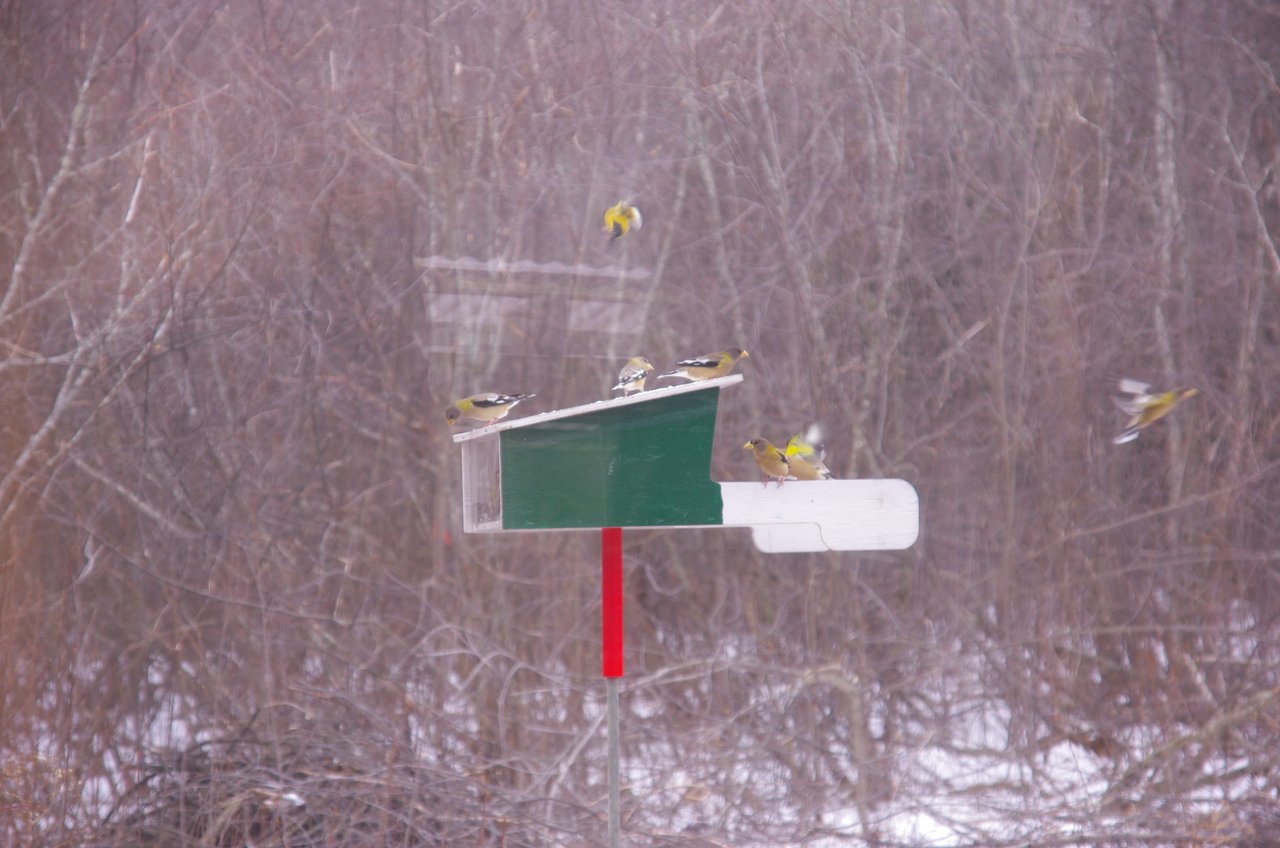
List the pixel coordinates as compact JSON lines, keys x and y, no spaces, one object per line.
{"x":632,"y":376}
{"x":773,"y":462}
{"x":620,"y":218}
{"x":486,"y":406}
{"x":707,"y":367}
{"x":1144,"y":407}
{"x":805,"y":459}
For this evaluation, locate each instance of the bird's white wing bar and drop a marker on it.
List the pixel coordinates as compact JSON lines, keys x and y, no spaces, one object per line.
{"x":700,"y":362}
{"x":1130,"y":386}
{"x":492,"y":399}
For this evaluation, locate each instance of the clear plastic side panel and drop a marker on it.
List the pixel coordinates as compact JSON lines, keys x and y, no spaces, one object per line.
{"x":481,"y":485}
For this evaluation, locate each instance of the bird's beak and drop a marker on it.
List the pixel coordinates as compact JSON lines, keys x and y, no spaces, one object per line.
{"x":745,"y":355}
{"x":747,"y":446}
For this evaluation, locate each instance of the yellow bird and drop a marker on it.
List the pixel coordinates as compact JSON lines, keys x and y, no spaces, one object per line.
{"x":806,"y":460}
{"x":773,"y":462}
{"x":707,"y":367}
{"x":1144,"y":407}
{"x":618,"y":219}
{"x":632,"y":376}
{"x":486,"y":406}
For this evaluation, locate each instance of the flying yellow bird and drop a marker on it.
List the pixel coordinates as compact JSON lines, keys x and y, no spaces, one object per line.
{"x":486,"y":406}
{"x":618,"y":219}
{"x":773,"y":462}
{"x":806,"y":460}
{"x":707,"y":367}
{"x":632,"y":376}
{"x":1145,"y":408}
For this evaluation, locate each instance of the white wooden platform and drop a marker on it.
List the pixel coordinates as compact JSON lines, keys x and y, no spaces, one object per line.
{"x":825,"y":515}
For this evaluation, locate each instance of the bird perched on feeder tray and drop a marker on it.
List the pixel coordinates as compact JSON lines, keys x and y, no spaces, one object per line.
{"x":486,"y":406}
{"x":620,"y":218}
{"x":805,"y":459}
{"x":632,"y":376}
{"x":707,"y":367}
{"x":773,"y":462}
{"x":1144,"y":407}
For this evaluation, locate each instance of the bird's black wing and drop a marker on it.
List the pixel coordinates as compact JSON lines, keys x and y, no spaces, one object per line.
{"x":494,"y":400}
{"x":700,"y":362}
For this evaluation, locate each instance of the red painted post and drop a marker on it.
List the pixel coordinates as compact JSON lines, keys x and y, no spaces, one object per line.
{"x":611,"y":601}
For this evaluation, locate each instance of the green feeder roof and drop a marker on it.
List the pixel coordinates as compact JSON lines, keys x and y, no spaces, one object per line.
{"x":637,"y":461}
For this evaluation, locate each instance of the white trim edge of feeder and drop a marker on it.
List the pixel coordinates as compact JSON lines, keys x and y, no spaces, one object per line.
{"x":597,"y":406}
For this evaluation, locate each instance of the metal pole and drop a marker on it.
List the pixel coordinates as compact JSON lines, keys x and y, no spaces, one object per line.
{"x":615,"y":802}
{"x":611,"y":661}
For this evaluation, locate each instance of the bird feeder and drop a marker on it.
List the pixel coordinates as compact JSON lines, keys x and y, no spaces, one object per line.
{"x":645,"y":461}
